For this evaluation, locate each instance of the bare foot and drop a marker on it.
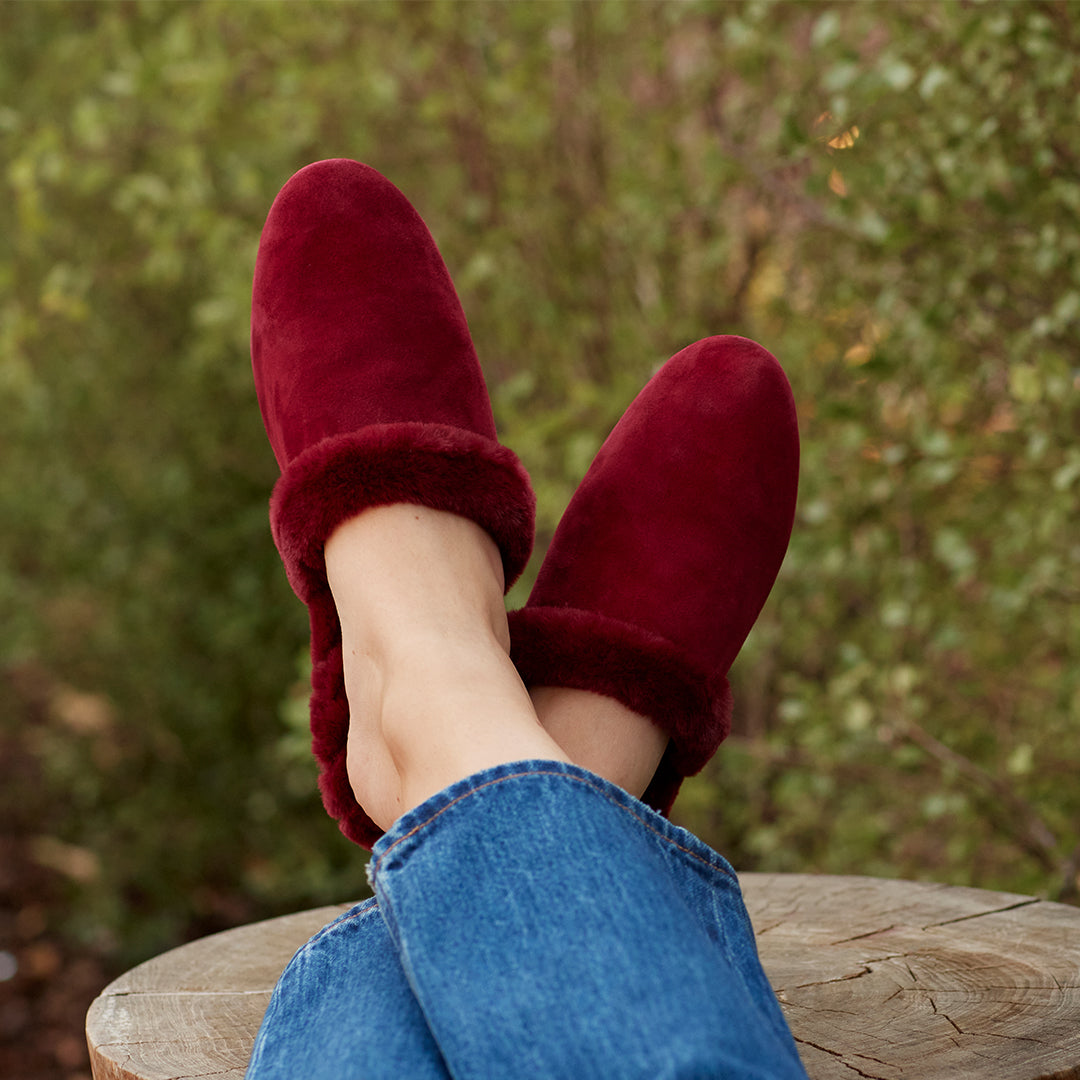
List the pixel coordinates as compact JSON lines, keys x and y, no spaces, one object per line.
{"x":602,"y":735}
{"x":433,"y":696}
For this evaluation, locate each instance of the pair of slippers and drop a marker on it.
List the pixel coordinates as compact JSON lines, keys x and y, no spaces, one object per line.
{"x":372,"y":394}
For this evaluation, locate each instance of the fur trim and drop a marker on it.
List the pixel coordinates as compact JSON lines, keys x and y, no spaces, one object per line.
{"x":433,"y":465}
{"x":329,"y":711}
{"x":556,"y":646}
{"x":441,"y":467}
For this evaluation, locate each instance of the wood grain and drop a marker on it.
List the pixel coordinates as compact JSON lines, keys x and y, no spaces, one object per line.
{"x":891,"y":980}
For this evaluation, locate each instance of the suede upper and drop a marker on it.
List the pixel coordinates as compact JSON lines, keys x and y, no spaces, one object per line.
{"x":354,"y":318}
{"x":670,"y":547}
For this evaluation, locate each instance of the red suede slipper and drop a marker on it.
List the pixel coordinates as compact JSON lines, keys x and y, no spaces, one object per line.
{"x":371,"y":394}
{"x":668,"y":550}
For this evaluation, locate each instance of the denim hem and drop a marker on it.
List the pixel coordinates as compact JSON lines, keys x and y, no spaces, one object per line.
{"x":414,"y":821}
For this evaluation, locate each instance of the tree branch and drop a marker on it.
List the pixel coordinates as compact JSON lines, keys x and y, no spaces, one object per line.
{"x":1034,"y":835}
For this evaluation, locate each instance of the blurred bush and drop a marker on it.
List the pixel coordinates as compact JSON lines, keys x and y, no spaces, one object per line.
{"x":887,"y":196}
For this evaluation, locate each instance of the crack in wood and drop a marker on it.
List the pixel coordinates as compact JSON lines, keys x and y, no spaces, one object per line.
{"x":1011,"y":1037}
{"x":869,"y":933}
{"x":838,"y":979}
{"x":759,"y":930}
{"x":1027,"y":902}
{"x":946,"y":1017}
{"x":844,"y":1061}
{"x":867,"y":969}
{"x":185,"y":993}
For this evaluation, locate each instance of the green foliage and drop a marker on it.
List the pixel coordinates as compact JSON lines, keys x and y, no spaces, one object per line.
{"x":923,"y":640}
{"x":886,"y":195}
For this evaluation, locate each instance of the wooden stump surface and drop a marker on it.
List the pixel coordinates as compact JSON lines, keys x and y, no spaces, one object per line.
{"x":885,"y":979}
{"x":895,"y":979}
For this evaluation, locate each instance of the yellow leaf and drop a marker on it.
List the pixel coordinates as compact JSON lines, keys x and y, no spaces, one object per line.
{"x":846,"y":139}
{"x":836,"y":183}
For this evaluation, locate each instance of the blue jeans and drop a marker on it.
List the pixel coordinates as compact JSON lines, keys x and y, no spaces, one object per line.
{"x":532,"y":920}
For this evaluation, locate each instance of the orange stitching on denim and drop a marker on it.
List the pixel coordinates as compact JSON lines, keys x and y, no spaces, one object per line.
{"x":372,"y":906}
{"x":568,"y":776}
{"x":345,"y":917}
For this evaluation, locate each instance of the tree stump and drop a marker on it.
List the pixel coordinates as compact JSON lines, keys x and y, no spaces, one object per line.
{"x":881,"y":979}
{"x":891,"y":979}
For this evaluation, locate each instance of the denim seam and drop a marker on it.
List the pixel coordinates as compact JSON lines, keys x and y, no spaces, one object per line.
{"x":341,"y":920}
{"x":568,"y":776}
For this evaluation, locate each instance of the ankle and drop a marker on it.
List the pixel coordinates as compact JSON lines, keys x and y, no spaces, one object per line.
{"x":433,"y":695}
{"x":401,"y":572}
{"x":427,"y":717}
{"x":602,"y":735}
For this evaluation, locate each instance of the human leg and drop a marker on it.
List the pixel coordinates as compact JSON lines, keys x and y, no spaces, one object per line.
{"x":551,"y":925}
{"x":433,"y":696}
{"x":372,"y":397}
{"x":344,"y":1009}
{"x":538,"y":912}
{"x":364,"y":451}
{"x":601,"y":734}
